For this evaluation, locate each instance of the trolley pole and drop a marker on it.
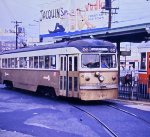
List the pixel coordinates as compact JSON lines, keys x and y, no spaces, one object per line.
{"x":16,"y":26}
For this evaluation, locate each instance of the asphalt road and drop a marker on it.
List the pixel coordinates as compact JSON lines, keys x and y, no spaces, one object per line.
{"x":26,"y":115}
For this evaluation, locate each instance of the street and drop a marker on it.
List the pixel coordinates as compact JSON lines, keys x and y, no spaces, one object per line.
{"x":23,"y":114}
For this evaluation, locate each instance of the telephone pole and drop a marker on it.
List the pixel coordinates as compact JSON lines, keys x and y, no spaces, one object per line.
{"x":108,"y":6}
{"x":16,"y":26}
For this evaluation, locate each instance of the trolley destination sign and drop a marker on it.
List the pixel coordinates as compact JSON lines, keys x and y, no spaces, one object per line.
{"x":101,"y":50}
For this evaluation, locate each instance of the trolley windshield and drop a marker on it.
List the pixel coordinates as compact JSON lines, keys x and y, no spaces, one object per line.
{"x":98,"y":61}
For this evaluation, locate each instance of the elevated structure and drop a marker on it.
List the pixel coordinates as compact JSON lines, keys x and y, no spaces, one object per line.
{"x":133,"y":33}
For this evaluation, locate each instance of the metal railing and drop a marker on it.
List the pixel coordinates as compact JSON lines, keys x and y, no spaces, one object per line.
{"x":134,"y":89}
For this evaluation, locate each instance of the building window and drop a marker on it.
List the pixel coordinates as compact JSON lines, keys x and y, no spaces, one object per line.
{"x":143,"y":61}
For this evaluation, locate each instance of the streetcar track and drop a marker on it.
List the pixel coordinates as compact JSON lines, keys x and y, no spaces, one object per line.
{"x":130,"y":113}
{"x":107,"y":129}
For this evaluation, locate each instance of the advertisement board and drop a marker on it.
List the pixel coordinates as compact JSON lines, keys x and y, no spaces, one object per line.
{"x":61,"y":17}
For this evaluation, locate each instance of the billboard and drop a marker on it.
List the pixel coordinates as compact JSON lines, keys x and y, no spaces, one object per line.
{"x":61,"y":17}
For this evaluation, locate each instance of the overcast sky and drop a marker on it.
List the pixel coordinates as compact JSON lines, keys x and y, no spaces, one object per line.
{"x":130,"y":12}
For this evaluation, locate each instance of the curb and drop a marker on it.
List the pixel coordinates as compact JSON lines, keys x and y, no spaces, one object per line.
{"x":146,"y":103}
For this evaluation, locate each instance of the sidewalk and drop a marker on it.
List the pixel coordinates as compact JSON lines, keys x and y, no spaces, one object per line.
{"x":135,"y":102}
{"x":141,"y":105}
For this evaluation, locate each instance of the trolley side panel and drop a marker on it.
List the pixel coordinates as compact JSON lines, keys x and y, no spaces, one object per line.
{"x":31,"y":79}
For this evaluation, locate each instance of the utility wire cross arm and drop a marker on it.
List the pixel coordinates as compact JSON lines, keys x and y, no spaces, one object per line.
{"x":16,"y":26}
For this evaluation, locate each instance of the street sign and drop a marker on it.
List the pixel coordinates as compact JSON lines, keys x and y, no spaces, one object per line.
{"x":125,"y":53}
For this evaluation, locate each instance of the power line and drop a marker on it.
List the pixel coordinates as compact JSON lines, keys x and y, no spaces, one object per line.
{"x":8,"y":10}
{"x":133,"y":19}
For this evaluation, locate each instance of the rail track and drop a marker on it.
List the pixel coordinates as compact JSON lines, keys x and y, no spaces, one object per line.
{"x":130,"y":113}
{"x":111,"y":132}
{"x":106,"y":128}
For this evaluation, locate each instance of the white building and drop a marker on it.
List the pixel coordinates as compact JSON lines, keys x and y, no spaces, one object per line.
{"x":8,"y":39}
{"x":131,"y":60}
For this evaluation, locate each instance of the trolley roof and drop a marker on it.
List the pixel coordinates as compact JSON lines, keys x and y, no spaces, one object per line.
{"x":92,"y":45}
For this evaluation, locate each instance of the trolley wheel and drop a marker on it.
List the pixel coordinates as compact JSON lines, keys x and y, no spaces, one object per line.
{"x":8,"y":84}
{"x":46,"y":91}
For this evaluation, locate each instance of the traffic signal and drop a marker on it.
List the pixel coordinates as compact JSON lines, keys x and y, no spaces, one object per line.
{"x":107,"y":4}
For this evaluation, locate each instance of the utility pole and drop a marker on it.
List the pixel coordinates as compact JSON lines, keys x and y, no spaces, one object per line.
{"x":108,"y":6}
{"x":38,"y":21}
{"x":110,"y":17}
{"x":16,"y":26}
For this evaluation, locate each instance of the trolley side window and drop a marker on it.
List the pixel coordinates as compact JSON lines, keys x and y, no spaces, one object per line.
{"x":9,"y":62}
{"x":75,"y":84}
{"x":3,"y":63}
{"x":70,"y":63}
{"x":61,"y":82}
{"x":53,"y":62}
{"x":36,"y":62}
{"x":41,"y":61}
{"x":47,"y":62}
{"x":65,"y":63}
{"x":90,"y":61}
{"x":61,"y":66}
{"x":23,"y":62}
{"x":16,"y":63}
{"x":70,"y":83}
{"x":30,"y":62}
{"x":143,"y":61}
{"x":75,"y":63}
{"x":12,"y":62}
{"x":6,"y":63}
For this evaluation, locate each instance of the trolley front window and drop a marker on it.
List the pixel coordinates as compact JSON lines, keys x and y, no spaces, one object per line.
{"x":97,"y":61}
{"x":108,"y":61}
{"x":90,"y":60}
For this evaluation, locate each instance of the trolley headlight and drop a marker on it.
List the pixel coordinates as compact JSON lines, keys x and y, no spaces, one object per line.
{"x":101,"y":78}
{"x":97,"y":74}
